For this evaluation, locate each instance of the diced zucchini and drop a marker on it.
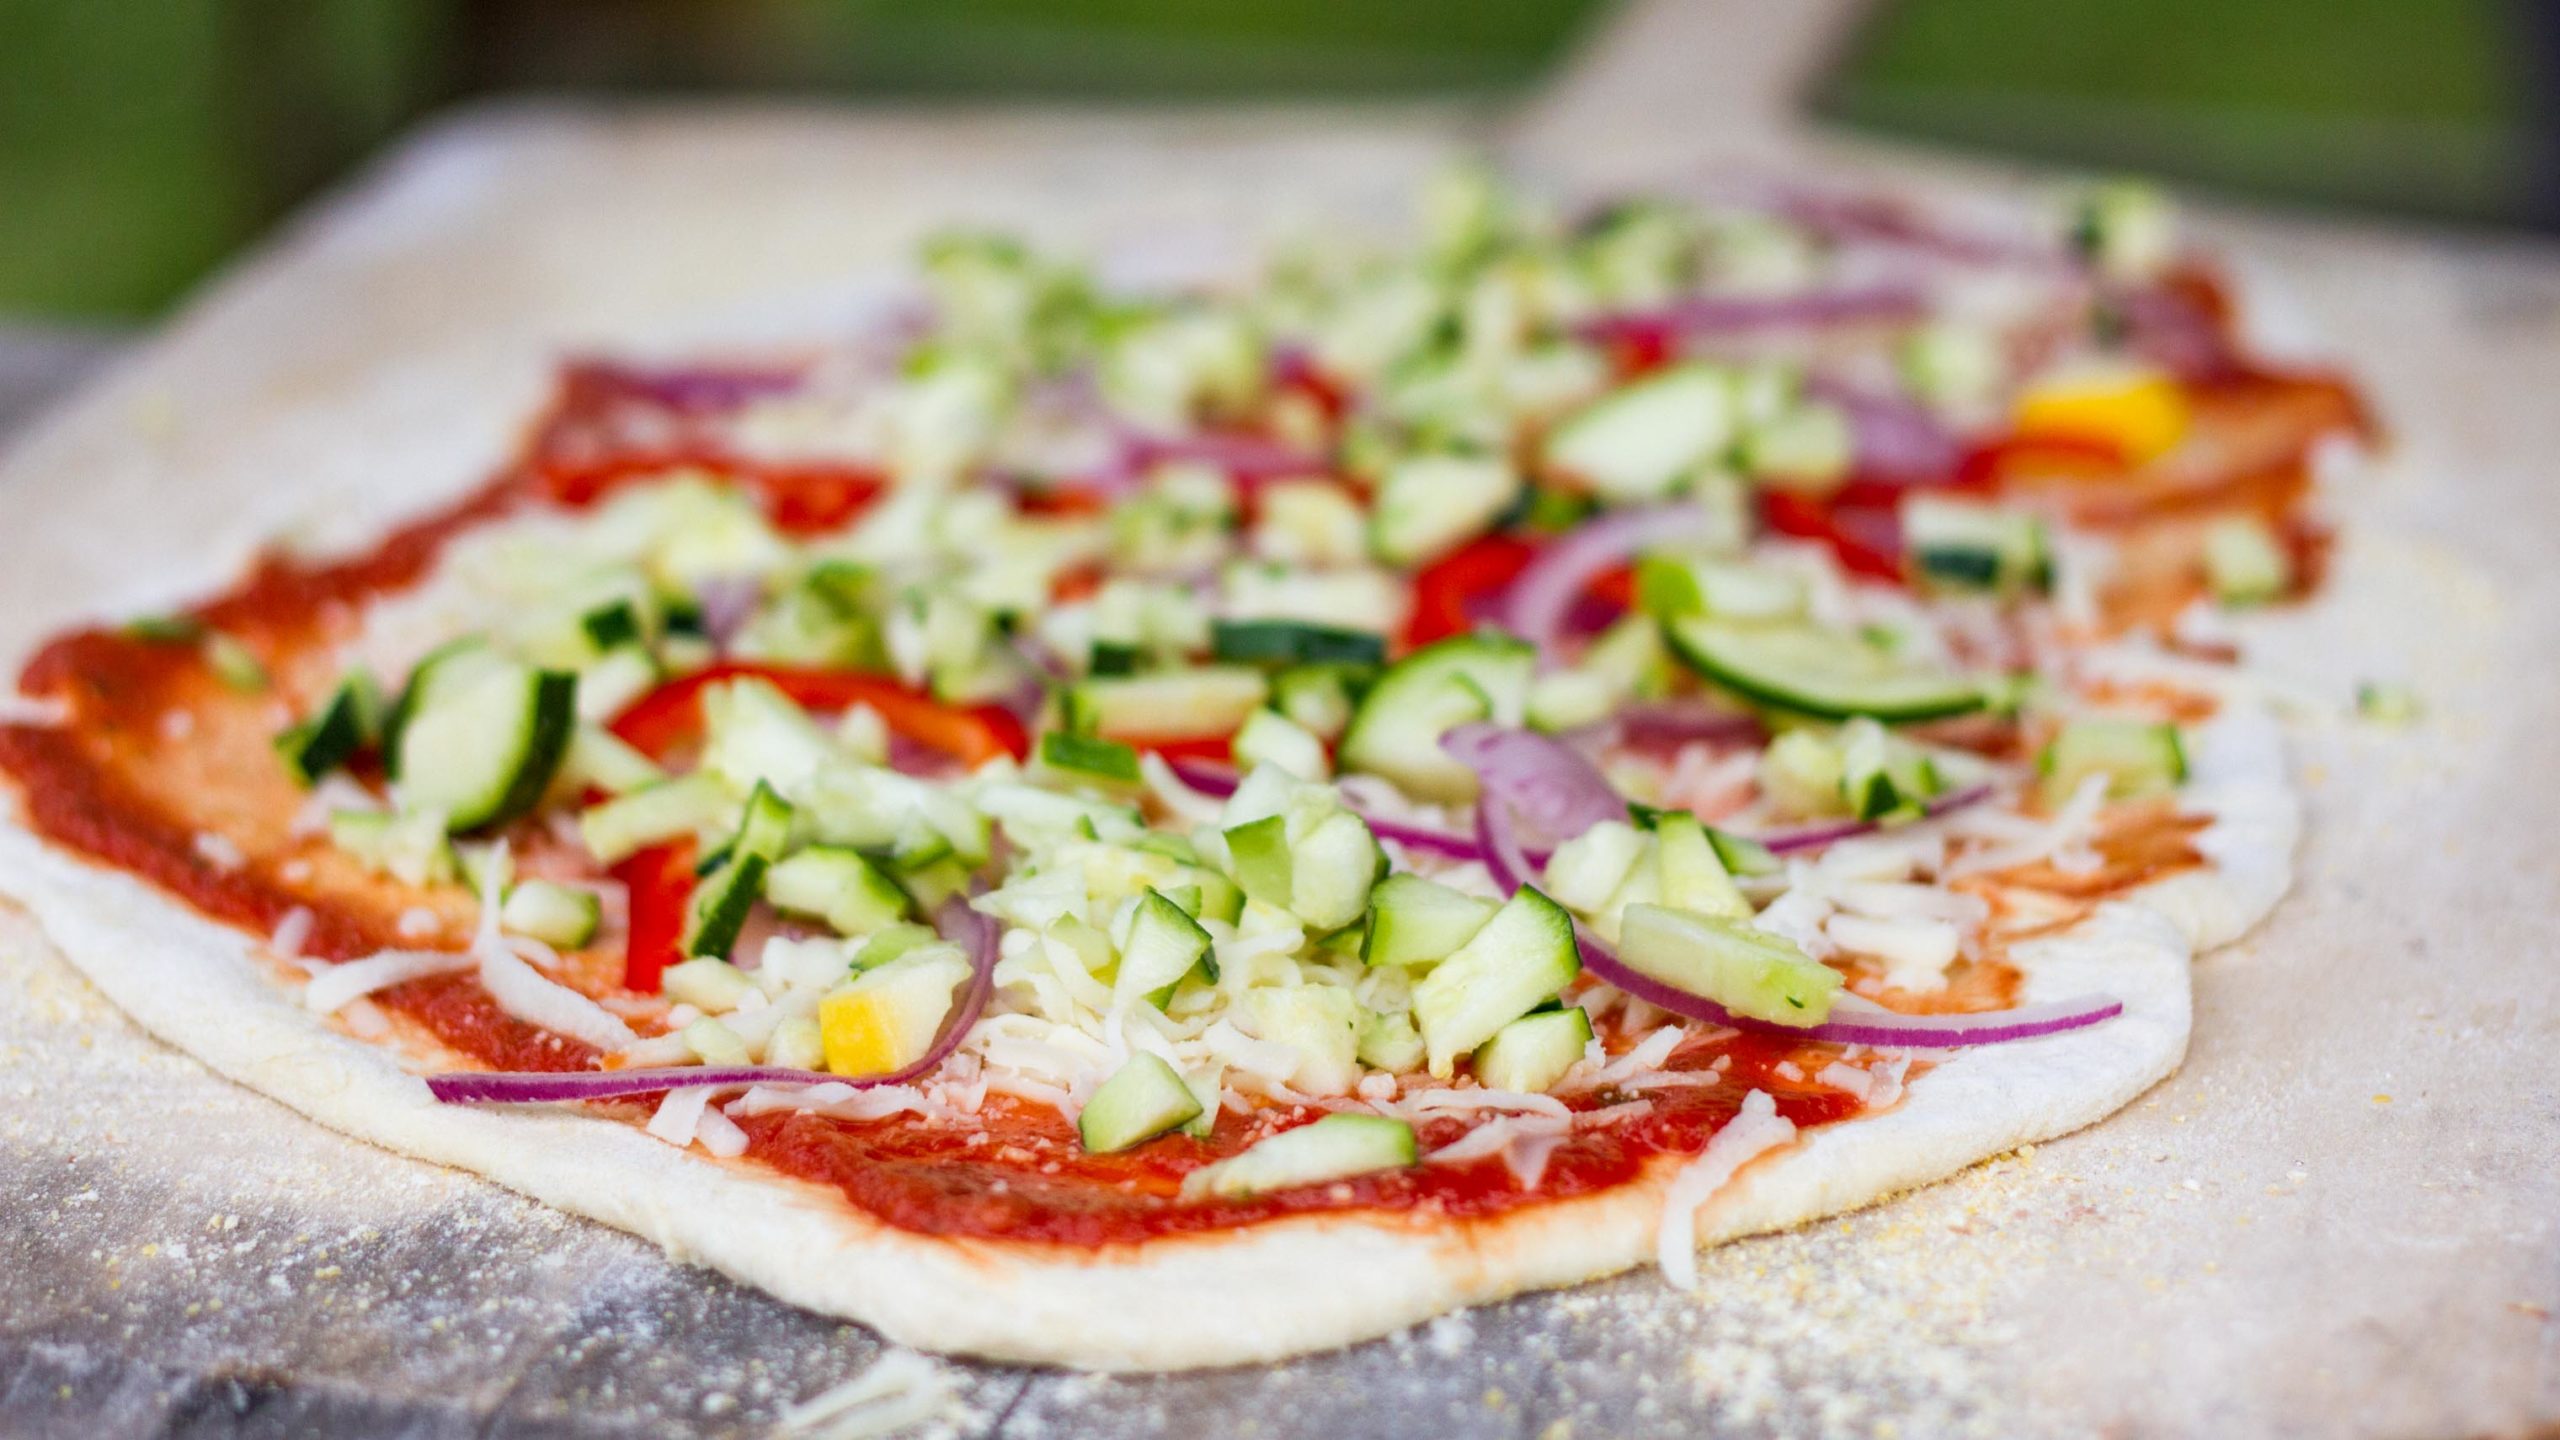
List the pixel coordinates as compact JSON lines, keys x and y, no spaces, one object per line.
{"x":1144,"y":1098}
{"x":1198,"y":700}
{"x":1413,"y":921}
{"x":483,"y":750}
{"x":1565,"y":699}
{"x":1089,"y":758}
{"x":558,"y":915}
{"x":764,"y":826}
{"x":444,"y":670}
{"x":1882,"y":778}
{"x":1332,"y":869}
{"x":2138,"y":757}
{"x":714,"y":1043}
{"x":1640,"y":441}
{"x":1429,"y":505}
{"x":1669,"y":586}
{"x":1747,"y":971}
{"x":1320,"y":1022}
{"x":1532,"y":1053}
{"x":1801,"y":774}
{"x":1165,"y":943}
{"x":601,"y":760}
{"x":797,"y":1043}
{"x":667,"y":810}
{"x":1693,"y":876}
{"x":1259,"y":850}
{"x":836,"y":884}
{"x":707,"y":983}
{"x":1319,"y":698}
{"x":753,"y":734}
{"x":346,"y":722}
{"x":1812,"y":670}
{"x":2124,"y":228}
{"x":411,"y":848}
{"x":1396,"y":731}
{"x":1270,"y":738}
{"x":1805,"y":449}
{"x":1743,"y":855}
{"x":1293,"y":642}
{"x":608,"y":684}
{"x":2245,"y":562}
{"x":1336,"y":1147}
{"x":1952,"y":367}
{"x":1961,"y":545}
{"x":1521,"y":958}
{"x":891,"y":942}
{"x":720,"y":904}
{"x":1586,"y":870}
{"x":1388,"y":1041}
{"x":887,"y":1018}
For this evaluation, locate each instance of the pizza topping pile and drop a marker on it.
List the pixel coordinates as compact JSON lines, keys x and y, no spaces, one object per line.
{"x":1471,"y":684}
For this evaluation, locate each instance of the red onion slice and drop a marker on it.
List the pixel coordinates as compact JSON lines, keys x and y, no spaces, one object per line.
{"x":1243,"y":457}
{"x":1737,"y":314}
{"x":727,"y":603}
{"x":1792,"y":842}
{"x":1866,"y":1023}
{"x":1542,"y":598}
{"x":1892,"y":440}
{"x":959,"y":923}
{"x":1666,"y":723}
{"x":1547,"y":783}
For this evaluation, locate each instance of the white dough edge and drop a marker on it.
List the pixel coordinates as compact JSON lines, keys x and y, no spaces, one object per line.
{"x":1273,"y":1290}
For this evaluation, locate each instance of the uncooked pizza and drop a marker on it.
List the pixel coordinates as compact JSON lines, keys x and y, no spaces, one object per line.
{"x":1144,"y":830}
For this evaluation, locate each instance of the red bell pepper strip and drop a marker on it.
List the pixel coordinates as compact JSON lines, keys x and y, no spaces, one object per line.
{"x":1445,"y":590}
{"x":1867,"y":538}
{"x":670,"y":716}
{"x":659,"y":881}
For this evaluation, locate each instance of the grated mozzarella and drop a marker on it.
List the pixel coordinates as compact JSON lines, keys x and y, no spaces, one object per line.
{"x":901,"y":1390}
{"x":333,"y":988}
{"x":679,"y":1115}
{"x":1756,"y":1130}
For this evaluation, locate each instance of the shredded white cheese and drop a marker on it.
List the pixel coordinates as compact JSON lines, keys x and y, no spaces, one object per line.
{"x":333,"y":988}
{"x":680,"y":1115}
{"x":901,"y":1390}
{"x":1759,"y":1128}
{"x":219,"y":851}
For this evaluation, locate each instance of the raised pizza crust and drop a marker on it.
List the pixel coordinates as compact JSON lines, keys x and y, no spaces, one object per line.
{"x":1275,"y":1289}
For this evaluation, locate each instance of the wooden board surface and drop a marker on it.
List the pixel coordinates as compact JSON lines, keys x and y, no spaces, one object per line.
{"x":2343,"y":1216}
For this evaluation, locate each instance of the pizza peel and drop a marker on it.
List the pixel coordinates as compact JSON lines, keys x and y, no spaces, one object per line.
{"x":2342,"y":1216}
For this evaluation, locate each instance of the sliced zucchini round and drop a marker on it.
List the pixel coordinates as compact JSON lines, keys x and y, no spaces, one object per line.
{"x":1811,"y":670}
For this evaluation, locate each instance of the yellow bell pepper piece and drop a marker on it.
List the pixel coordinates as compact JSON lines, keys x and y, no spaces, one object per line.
{"x":2140,"y":412}
{"x":887,"y":1019}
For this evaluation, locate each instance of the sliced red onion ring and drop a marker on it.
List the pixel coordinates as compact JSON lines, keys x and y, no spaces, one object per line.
{"x":1863,"y":1023}
{"x":727,"y":602}
{"x":1245,"y":457}
{"x":1680,"y":722}
{"x":1735,"y":314}
{"x":1206,"y":776}
{"x":1795,"y":841}
{"x":1892,"y":440}
{"x":960,"y":924}
{"x":1542,"y":599}
{"x":1549,"y":784}
{"x":700,"y":387}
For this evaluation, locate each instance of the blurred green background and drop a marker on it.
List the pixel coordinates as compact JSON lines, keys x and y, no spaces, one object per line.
{"x":143,"y":140}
